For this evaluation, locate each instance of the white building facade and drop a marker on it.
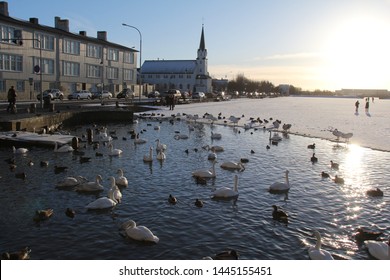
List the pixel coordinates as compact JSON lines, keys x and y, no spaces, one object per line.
{"x":184,"y":75}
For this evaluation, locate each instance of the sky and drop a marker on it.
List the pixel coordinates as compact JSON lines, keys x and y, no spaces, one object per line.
{"x":310,"y":44}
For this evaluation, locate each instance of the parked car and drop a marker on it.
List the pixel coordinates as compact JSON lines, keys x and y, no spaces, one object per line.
{"x":175,"y":92}
{"x":125,"y":93}
{"x":153,"y":94}
{"x":52,"y":93}
{"x":185,"y":95}
{"x":80,"y":94}
{"x":105,"y":94}
{"x":198,"y":95}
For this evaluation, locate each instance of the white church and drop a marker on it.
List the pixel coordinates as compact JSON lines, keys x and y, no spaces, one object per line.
{"x":184,"y":75}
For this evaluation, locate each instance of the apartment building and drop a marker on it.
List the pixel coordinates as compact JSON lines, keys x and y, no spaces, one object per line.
{"x":35,"y":57}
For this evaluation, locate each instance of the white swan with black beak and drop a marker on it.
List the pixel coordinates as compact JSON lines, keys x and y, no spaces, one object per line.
{"x":316,"y":253}
{"x":280,"y":187}
{"x":226,"y":192}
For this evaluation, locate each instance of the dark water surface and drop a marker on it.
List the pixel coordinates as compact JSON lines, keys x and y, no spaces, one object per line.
{"x":185,"y":231}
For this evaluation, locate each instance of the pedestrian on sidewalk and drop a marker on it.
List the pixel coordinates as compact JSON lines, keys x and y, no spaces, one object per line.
{"x":11,"y":100}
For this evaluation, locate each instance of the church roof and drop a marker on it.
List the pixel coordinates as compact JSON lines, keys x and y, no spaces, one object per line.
{"x":202,"y":45}
{"x":168,"y":66}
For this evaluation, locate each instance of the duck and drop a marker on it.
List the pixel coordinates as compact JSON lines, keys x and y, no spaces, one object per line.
{"x":198,"y":203}
{"x":205,"y":173}
{"x":212,"y":156}
{"x":138,"y":140}
{"x":279,"y":187}
{"x":374,"y":192}
{"x":226,"y":192}
{"x":316,"y":253}
{"x":233,"y":165}
{"x":338,"y":180}
{"x":279,"y":214}
{"x":41,"y":215}
{"x":91,"y":186}
{"x":21,"y":175}
{"x":363,"y":234}
{"x":311,"y":146}
{"x":313,"y":158}
{"x":71,"y":181}
{"x":19,"y":150}
{"x":139,"y":233}
{"x":44,"y":163}
{"x":172,"y":199}
{"x":149,"y":157}
{"x":334,"y":165}
{"x":114,"y":192}
{"x":59,"y":169}
{"x":226,"y":255}
{"x":378,"y":249}
{"x":325,"y":175}
{"x":23,"y":254}
{"x":70,"y":213}
{"x":63,"y":149}
{"x":113,"y":151}
{"x":121,"y":180}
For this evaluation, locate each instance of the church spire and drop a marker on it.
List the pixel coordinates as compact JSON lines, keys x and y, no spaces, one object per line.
{"x":202,"y":45}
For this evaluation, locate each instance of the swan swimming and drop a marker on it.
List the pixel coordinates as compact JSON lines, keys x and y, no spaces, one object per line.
{"x":316,"y":253}
{"x":149,"y":158}
{"x":71,"y":181}
{"x":140,"y":233}
{"x":226,"y":192}
{"x":161,"y":155}
{"x":205,"y":173}
{"x":19,"y":150}
{"x":279,"y":187}
{"x":114,"y":193}
{"x":121,"y":180}
{"x":92,"y":186}
{"x":63,"y":149}
{"x":378,"y":249}
{"x":159,"y":146}
{"x":113,"y":151}
{"x":102,"y":203}
{"x":232,"y":165}
{"x":216,"y":135}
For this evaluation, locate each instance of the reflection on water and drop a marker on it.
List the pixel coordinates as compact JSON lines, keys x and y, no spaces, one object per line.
{"x":186,"y":231}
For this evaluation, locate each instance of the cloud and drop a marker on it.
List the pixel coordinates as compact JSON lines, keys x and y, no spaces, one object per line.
{"x":288,"y":56}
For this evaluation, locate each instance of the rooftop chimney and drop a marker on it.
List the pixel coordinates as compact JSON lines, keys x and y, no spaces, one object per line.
{"x":102,"y":35}
{"x":4,"y":8}
{"x":83,"y":33}
{"x":62,"y":24}
{"x":34,"y":20}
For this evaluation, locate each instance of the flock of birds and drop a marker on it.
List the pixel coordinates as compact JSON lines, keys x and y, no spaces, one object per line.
{"x":130,"y":229}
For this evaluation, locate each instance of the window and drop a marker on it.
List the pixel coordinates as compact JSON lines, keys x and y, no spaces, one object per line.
{"x":70,"y":68}
{"x":112,"y":73}
{"x":94,"y":51}
{"x":6,"y":33}
{"x":128,"y":75}
{"x":71,"y":47}
{"x":113,"y":55}
{"x":94,"y":71}
{"x":188,"y":76}
{"x":10,"y":62}
{"x":46,"y":41}
{"x":2,"y":85}
{"x":128,"y":57}
{"x":19,"y":85}
{"x":37,"y":87}
{"x":158,"y":76}
{"x":47,"y":65}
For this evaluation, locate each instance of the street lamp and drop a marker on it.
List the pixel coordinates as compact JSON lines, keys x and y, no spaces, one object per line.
{"x":140,"y":56}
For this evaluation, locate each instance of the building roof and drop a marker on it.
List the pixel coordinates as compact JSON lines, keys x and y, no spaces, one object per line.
{"x":202,"y":45}
{"x":168,"y":66}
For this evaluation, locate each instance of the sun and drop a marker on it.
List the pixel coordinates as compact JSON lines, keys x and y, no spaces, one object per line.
{"x":356,"y":53}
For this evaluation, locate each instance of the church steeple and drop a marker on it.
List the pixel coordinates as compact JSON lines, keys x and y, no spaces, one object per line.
{"x":202,"y":45}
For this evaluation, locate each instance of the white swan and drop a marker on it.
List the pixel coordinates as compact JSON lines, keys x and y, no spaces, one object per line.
{"x":121,"y":180}
{"x":140,"y":233}
{"x":114,"y":193}
{"x":149,"y":158}
{"x":113,"y":151}
{"x":279,"y":187}
{"x":205,"y":173}
{"x":160,"y":146}
{"x":225,"y":192}
{"x":161,"y":155}
{"x":232,"y":165}
{"x":316,"y":253}
{"x":71,"y":181}
{"x":378,"y":249}
{"x":19,"y":150}
{"x":92,"y":186}
{"x":63,"y":149}
{"x":102,"y":203}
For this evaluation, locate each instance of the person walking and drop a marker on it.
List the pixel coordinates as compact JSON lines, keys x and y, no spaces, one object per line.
{"x":11,"y":100}
{"x":357,"y":103}
{"x":367,"y":105}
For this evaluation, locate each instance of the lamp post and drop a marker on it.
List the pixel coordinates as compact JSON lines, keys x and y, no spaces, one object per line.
{"x":140,"y":57}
